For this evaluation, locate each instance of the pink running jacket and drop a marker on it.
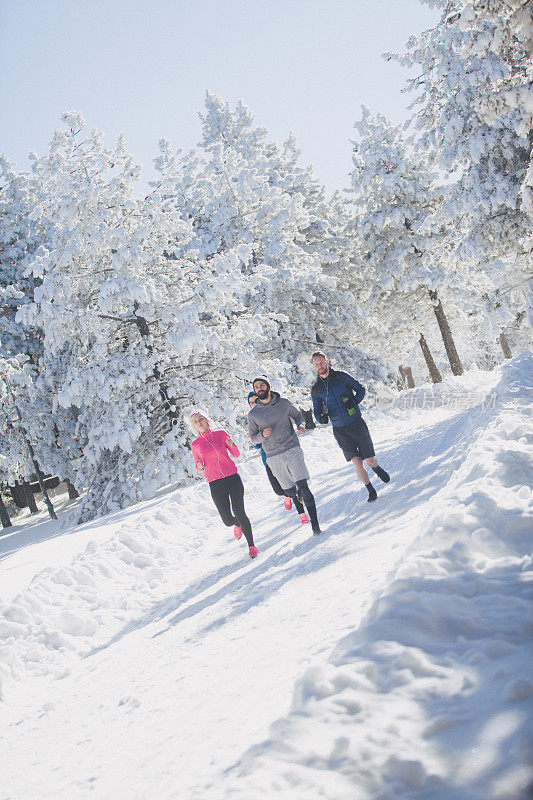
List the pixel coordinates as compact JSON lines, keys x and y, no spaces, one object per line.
{"x":210,"y":447}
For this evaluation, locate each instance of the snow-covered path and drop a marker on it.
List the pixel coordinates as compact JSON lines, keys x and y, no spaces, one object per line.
{"x":146,"y":663}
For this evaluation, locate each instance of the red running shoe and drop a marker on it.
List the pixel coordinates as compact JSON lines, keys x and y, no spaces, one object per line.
{"x":304,"y":518}
{"x":237,"y":532}
{"x":252,"y":552}
{"x":287,"y":503}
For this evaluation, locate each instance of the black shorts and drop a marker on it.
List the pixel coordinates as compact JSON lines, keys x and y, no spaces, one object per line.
{"x":354,"y":440}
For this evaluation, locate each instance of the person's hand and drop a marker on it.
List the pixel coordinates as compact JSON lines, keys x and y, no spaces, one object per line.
{"x":267,"y":432}
{"x":230,"y":442}
{"x":200,"y":465}
{"x":301,"y":429}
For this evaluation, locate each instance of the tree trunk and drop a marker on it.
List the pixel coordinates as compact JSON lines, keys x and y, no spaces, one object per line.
{"x":433,"y":371}
{"x":447,"y":338}
{"x":407,"y":374}
{"x":4,"y":516}
{"x":72,"y":491}
{"x":29,"y":497}
{"x":40,"y":476}
{"x":505,"y":345}
{"x":47,"y":501}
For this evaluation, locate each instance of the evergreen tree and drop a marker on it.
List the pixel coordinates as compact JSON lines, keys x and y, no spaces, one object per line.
{"x":505,"y":31}
{"x":121,"y":327}
{"x":249,"y":200}
{"x":484,"y":156}
{"x":20,"y":348}
{"x":403,"y":269}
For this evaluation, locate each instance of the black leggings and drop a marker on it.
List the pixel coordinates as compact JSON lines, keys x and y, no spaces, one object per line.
{"x":222,"y":491}
{"x":279,"y":491}
{"x":303,"y":490}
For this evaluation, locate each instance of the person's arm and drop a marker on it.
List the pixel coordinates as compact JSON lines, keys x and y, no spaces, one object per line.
{"x":296,"y":415}
{"x":231,"y":446}
{"x":198,"y":463}
{"x":319,"y":409}
{"x":360,"y":390}
{"x":253,"y":429}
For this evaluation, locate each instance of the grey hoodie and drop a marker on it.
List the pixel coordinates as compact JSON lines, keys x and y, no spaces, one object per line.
{"x":276,"y":415}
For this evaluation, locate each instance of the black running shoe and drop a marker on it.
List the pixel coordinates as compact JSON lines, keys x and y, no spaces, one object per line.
{"x":372,"y":494}
{"x":380,"y":472}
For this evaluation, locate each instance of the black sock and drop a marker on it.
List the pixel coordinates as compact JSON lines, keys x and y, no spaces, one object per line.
{"x":380,"y":472}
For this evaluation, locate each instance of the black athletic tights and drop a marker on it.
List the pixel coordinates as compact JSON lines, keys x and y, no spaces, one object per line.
{"x":276,"y":485}
{"x":303,"y":490}
{"x":222,"y":491}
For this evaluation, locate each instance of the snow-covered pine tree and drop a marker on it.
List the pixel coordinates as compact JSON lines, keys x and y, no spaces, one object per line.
{"x":20,"y":236}
{"x":506,"y":29}
{"x":16,"y":380}
{"x":247,"y":198}
{"x":123,"y":339}
{"x":20,"y":348}
{"x":403,"y":269}
{"x":484,"y":156}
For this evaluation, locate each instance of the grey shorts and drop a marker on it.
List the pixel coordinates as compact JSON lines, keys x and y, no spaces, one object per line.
{"x":289,"y":467}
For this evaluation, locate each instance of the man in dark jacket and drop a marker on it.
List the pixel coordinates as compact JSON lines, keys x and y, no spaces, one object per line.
{"x":270,"y":423}
{"x":336,"y":396}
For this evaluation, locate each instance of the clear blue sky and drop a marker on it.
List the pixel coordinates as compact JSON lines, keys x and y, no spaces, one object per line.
{"x":143,"y":66}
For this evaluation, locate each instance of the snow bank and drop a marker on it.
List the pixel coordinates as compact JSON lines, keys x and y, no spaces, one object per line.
{"x":69,"y":610}
{"x":431,"y":696}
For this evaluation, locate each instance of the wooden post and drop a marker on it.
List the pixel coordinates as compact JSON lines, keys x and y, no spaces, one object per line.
{"x":447,"y":338}
{"x":408,"y":375}
{"x":432,"y":367}
{"x":505,"y":345}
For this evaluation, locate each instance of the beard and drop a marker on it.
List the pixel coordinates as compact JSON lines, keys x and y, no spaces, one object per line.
{"x":262,"y":394}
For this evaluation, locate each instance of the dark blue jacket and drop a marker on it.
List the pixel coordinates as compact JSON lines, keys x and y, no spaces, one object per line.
{"x":337,"y":396}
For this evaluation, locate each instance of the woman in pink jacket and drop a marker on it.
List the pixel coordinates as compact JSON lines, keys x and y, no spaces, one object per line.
{"x":210,"y":452}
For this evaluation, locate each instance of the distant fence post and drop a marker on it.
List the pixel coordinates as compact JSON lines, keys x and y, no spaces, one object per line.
{"x":407,"y":375}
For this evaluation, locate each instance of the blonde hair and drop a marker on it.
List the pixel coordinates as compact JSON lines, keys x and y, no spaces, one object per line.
{"x":193,"y":413}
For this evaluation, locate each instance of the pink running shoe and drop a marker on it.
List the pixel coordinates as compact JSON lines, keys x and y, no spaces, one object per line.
{"x":252,"y":552}
{"x":287,"y":503}
{"x":304,"y":518}
{"x":237,"y":532}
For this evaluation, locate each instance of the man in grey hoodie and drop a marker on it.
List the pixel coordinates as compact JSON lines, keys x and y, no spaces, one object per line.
{"x":270,"y":424}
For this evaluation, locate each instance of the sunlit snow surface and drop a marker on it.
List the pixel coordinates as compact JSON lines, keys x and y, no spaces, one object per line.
{"x":145,"y":656}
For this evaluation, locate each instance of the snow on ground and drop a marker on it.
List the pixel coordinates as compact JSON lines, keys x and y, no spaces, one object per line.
{"x":145,"y":656}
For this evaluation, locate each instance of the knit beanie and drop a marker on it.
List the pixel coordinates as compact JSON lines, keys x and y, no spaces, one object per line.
{"x":262,"y":378}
